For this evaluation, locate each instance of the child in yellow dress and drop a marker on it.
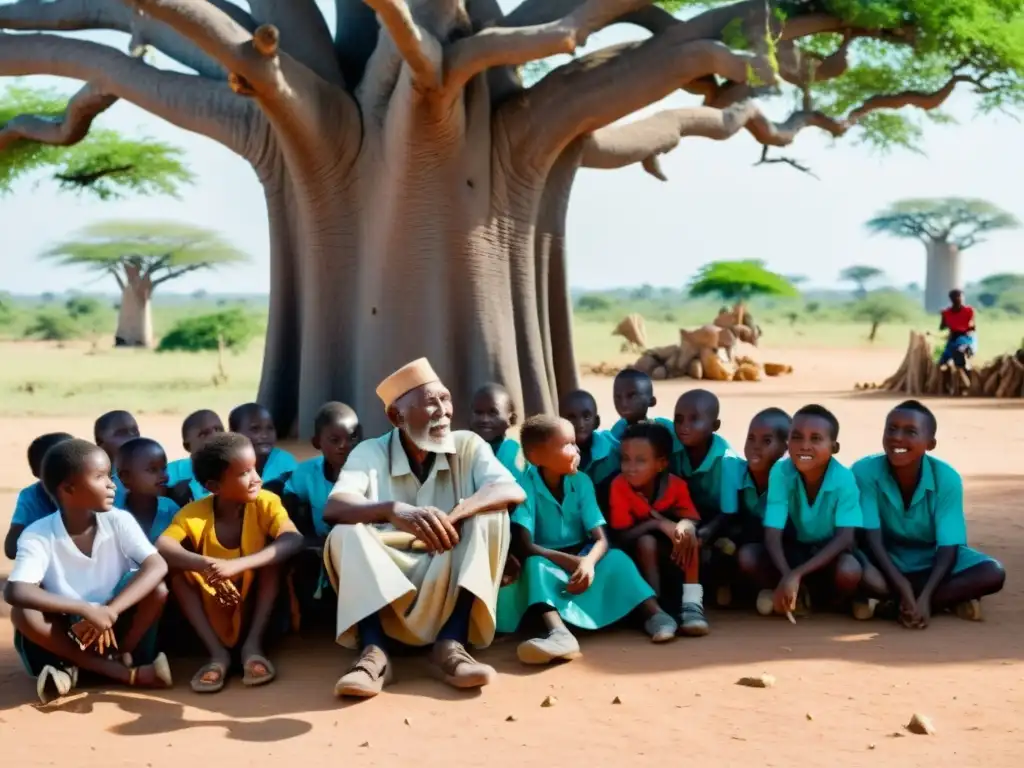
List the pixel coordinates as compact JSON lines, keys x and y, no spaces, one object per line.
{"x":226,"y":554}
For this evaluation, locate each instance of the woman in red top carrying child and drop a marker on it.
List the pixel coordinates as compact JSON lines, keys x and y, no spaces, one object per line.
{"x":962,"y":344}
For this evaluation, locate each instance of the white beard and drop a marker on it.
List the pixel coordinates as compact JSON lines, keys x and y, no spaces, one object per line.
{"x":427,"y":442}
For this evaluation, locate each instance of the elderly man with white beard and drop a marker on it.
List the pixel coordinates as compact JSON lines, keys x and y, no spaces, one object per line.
{"x":420,"y":538}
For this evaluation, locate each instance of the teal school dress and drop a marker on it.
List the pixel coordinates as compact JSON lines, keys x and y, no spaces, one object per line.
{"x":166,"y":509}
{"x":604,"y":457}
{"x":750,"y":508}
{"x":310,"y":486}
{"x":617,"y":588}
{"x":836,"y":506}
{"x":714,"y":485}
{"x":510,"y":454}
{"x":619,"y":429}
{"x":33,"y":503}
{"x":180,"y":471}
{"x":935,"y":517}
{"x":279,"y":462}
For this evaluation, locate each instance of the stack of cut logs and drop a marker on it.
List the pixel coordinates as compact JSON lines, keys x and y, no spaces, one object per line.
{"x":920,"y":374}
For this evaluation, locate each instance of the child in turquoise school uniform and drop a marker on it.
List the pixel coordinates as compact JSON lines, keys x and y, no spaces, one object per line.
{"x":766,"y":444}
{"x":913,"y":507}
{"x":633,"y":395}
{"x":112,"y":430}
{"x":142,"y":467}
{"x":569,"y":574}
{"x":599,"y":450}
{"x":87,"y":586}
{"x":336,"y":432}
{"x":818,"y":496}
{"x":33,"y":503}
{"x":272,"y":463}
{"x":492,"y":415}
{"x":197,"y":428}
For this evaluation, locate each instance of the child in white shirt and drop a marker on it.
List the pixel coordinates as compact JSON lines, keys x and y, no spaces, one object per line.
{"x":77,"y":572}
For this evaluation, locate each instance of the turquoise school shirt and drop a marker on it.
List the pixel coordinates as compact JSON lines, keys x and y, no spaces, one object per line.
{"x":120,"y":493}
{"x":311,"y":487}
{"x":553,"y":525}
{"x":750,"y":502}
{"x":278,"y":463}
{"x":714,"y":485}
{"x":33,"y":503}
{"x":180,"y":471}
{"x":836,"y":506}
{"x":619,"y":429}
{"x":510,"y":455}
{"x":604,"y":457}
{"x":935,"y":517}
{"x":166,"y":509}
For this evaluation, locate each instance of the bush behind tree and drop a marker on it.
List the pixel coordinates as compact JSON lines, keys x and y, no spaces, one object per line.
{"x":204,"y":332}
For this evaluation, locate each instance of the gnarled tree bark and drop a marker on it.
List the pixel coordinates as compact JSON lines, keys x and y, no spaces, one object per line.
{"x":417,"y":191}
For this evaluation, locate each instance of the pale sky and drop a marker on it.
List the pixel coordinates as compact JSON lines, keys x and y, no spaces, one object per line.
{"x":625,"y":227}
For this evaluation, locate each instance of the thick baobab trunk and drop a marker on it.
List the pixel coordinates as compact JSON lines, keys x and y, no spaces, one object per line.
{"x":135,"y":317}
{"x":943,"y":274}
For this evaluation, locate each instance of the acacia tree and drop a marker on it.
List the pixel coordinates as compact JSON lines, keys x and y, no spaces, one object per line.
{"x":39,"y":132}
{"x":417,"y":189}
{"x":860,"y":275}
{"x":947,"y":226}
{"x":879,"y":307}
{"x":142,"y":255}
{"x":739,"y":281}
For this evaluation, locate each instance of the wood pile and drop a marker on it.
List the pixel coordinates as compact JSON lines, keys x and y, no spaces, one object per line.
{"x":920,"y":375}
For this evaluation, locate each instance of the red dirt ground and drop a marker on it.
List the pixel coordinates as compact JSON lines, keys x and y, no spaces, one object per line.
{"x":844,"y":689}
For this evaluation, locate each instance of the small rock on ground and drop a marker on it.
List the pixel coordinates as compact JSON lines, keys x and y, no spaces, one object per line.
{"x":921,"y":725}
{"x":761,"y":681}
{"x":549,"y":701}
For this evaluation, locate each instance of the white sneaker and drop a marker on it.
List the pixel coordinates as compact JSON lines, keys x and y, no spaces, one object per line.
{"x":692,"y":620}
{"x":53,"y":683}
{"x":766,"y":602}
{"x":661,"y":627}
{"x":557,"y":645}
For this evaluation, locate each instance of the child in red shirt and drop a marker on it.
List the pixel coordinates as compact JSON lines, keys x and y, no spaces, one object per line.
{"x":655,"y":519}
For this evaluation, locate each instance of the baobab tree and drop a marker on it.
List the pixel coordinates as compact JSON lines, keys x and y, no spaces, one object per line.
{"x":417,"y":190}
{"x":141,"y":256}
{"x":947,"y":226}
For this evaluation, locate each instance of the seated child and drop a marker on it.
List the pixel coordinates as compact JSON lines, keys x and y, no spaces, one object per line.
{"x":708,"y":464}
{"x":493,"y":413}
{"x":273,"y":464}
{"x":913,"y":509}
{"x":633,"y":395}
{"x":112,"y":430}
{"x":336,"y":432}
{"x":767,"y":438}
{"x":225,"y":551}
{"x":599,"y":451}
{"x":86,"y":582}
{"x":656,"y":521}
{"x":568,"y":572}
{"x":197,"y":428}
{"x":819,"y":496}
{"x":34,"y":503}
{"x":142,"y":467}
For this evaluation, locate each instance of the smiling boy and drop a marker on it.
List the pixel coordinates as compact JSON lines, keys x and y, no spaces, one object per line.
{"x":599,"y":449}
{"x":914,"y":519}
{"x":819,"y":496}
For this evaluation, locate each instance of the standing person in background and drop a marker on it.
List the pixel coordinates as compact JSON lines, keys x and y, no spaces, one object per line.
{"x":958,"y":320}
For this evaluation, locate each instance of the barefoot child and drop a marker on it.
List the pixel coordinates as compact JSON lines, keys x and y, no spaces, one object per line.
{"x":226,"y":553}
{"x":273,"y":464}
{"x":568,"y":572}
{"x":914,"y":519}
{"x":656,"y":522}
{"x":493,"y":414}
{"x":708,"y":464}
{"x":112,"y":430}
{"x":336,"y":432}
{"x":197,"y":428}
{"x":819,"y":496}
{"x":34,"y":503}
{"x":142,"y":467}
{"x":599,"y":451}
{"x":87,"y":585}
